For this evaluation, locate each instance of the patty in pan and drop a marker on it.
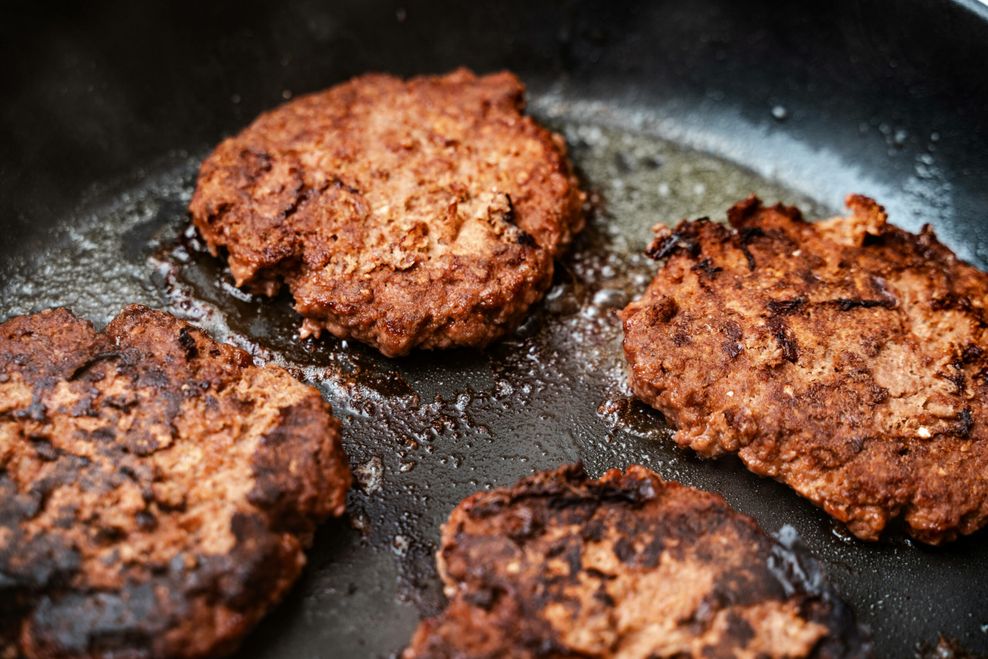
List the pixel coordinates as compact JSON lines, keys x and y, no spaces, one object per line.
{"x":424,"y":213}
{"x":847,"y":358}
{"x":561,"y":565}
{"x":157,"y":490}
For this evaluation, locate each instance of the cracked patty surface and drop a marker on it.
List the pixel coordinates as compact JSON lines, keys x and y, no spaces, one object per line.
{"x":157,"y":490}
{"x":561,"y":565}
{"x":847,"y":358}
{"x":421,"y":213}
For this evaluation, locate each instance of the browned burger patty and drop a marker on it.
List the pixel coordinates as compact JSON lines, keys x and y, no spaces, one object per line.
{"x":626,"y":566}
{"x":157,"y":489}
{"x":846,"y":358}
{"x":424,"y":213}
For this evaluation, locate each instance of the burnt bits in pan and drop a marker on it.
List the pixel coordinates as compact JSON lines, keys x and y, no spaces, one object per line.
{"x":157,"y":490}
{"x":561,"y":565}
{"x":847,"y":358}
{"x":418,"y":214}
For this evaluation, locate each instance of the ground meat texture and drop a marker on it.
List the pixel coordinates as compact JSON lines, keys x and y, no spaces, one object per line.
{"x":424,"y":213}
{"x":847,"y":358}
{"x":157,"y":489}
{"x":626,"y":566}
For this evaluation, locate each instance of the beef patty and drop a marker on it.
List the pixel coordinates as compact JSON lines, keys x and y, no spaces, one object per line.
{"x":626,"y":566}
{"x":157,"y":489}
{"x":424,"y":213}
{"x":847,"y":358}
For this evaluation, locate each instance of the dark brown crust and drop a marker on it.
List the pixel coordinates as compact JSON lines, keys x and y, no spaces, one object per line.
{"x":626,"y":566}
{"x":846,"y":358}
{"x":157,"y":489}
{"x":424,"y":213}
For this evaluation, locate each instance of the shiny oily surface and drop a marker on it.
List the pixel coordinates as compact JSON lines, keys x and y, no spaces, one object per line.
{"x":425,"y":431}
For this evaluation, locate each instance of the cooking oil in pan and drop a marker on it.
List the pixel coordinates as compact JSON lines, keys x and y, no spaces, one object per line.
{"x":424,"y":431}
{"x":138,"y":247}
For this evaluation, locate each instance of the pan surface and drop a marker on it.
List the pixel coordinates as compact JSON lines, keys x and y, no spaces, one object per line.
{"x":671,"y":110}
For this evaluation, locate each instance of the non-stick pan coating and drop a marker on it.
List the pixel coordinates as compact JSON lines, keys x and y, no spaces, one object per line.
{"x":672,"y":110}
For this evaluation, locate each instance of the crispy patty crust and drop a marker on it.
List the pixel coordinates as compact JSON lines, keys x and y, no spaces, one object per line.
{"x":157,"y":489}
{"x":424,"y":213}
{"x":626,"y":566}
{"x":847,"y":358}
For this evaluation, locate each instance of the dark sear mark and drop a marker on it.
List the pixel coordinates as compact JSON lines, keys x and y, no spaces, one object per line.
{"x":707,"y":267}
{"x":969,"y":355}
{"x":965,"y":423}
{"x":509,"y":216}
{"x":786,"y":307}
{"x":956,"y":378}
{"x":790,"y":351}
{"x":93,"y":361}
{"x":44,"y":448}
{"x":188,"y":344}
{"x":732,"y":345}
{"x":661,"y":248}
{"x":747,"y":236}
{"x":665,"y":310}
{"x":962,"y":303}
{"x":846,"y":304}
{"x":667,"y":242}
{"x":340,"y":184}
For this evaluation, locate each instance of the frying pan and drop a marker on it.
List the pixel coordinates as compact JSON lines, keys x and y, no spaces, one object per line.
{"x":672,"y":109}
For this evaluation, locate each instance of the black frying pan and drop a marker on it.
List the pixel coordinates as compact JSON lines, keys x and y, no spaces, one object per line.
{"x":109,"y":106}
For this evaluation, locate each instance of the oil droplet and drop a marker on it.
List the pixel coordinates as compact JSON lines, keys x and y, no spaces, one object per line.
{"x":780,"y":113}
{"x":610,"y":297}
{"x":369,"y":475}
{"x":400,"y":545}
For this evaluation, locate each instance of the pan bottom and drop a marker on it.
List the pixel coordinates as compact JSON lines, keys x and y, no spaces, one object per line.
{"x":425,"y":431}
